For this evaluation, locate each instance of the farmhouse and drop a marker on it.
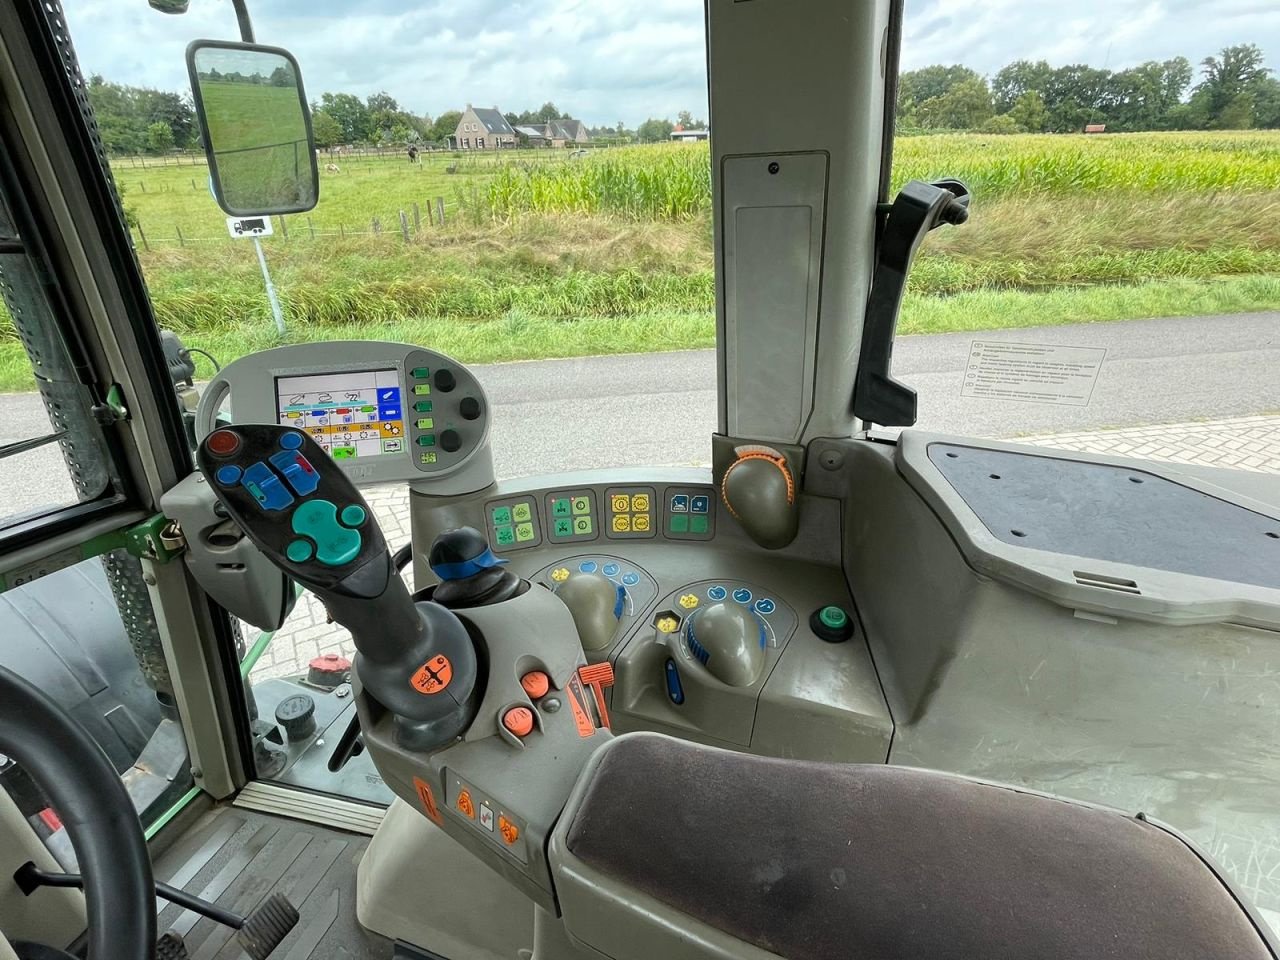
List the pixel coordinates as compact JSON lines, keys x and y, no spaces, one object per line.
{"x":481,"y":129}
{"x":689,"y":136}
{"x":556,"y":133}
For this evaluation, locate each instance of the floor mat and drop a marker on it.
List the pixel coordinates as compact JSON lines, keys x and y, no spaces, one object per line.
{"x":236,"y":858}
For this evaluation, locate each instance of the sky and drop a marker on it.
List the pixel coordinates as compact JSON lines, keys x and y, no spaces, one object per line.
{"x":610,"y":60}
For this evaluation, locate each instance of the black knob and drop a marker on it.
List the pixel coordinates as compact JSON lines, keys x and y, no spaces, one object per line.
{"x":469,"y":408}
{"x":450,"y":442}
{"x":297,"y":715}
{"x":470,"y":575}
{"x":445,"y":380}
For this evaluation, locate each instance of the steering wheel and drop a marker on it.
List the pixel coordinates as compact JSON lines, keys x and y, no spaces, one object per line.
{"x":92,"y":803}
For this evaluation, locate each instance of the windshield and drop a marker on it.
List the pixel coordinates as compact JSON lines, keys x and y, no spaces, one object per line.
{"x":527,"y":187}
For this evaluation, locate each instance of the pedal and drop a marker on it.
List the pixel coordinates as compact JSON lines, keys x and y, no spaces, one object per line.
{"x":172,"y":947}
{"x":266,"y":928}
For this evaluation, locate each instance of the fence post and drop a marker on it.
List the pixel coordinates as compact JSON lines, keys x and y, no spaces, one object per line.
{"x":181,"y":242}
{"x":284,"y":228}
{"x":431,"y":216}
{"x":142,"y":183}
{"x":404,"y":226}
{"x":145,"y":246}
{"x":311,"y":227}
{"x":193,"y":183}
{"x":376,"y":225}
{"x":417,"y":217}
{"x":342,"y":232}
{"x":440,"y":209}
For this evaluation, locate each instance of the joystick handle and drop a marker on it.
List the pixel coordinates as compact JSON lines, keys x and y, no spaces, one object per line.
{"x":299,"y":508}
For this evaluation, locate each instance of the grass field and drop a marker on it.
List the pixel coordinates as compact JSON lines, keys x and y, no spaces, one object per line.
{"x":543,"y":255}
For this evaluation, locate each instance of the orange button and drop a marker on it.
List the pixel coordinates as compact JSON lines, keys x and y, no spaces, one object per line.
{"x":433,"y":676}
{"x":536,"y":684}
{"x":510,"y":832}
{"x":519,"y":720}
{"x":466,"y":805}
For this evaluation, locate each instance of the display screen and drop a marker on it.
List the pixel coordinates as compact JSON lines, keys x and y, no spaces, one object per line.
{"x":351,"y":414}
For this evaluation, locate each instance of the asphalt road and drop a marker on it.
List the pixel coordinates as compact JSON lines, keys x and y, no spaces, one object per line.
{"x":660,"y":409}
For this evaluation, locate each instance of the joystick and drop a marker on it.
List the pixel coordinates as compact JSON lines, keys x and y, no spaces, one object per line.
{"x":470,"y":575}
{"x":306,"y":516}
{"x":596,"y":603}
{"x":729,"y":640}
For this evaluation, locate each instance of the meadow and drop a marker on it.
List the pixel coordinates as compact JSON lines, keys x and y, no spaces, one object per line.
{"x":543,"y":254}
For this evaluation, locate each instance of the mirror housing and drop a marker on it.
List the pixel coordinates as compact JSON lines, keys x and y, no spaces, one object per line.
{"x":256,"y":127}
{"x":170,"y":6}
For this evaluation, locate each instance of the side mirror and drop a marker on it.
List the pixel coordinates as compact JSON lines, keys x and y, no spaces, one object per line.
{"x":170,"y":6}
{"x":257,"y":127}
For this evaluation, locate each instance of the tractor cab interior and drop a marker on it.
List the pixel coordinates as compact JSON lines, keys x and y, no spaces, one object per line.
{"x":855,"y":690}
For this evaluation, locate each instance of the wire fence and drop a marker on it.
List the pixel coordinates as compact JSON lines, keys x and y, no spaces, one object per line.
{"x":431,"y":214}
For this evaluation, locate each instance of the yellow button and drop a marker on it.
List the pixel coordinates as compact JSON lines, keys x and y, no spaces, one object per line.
{"x":689,"y":601}
{"x":640,"y":523}
{"x":621,"y":503}
{"x":622,"y":523}
{"x":668,"y":624}
{"x":560,"y":574}
{"x":640,"y":503}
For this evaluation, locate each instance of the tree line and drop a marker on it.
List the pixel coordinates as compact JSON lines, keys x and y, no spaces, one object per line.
{"x":1235,"y":91}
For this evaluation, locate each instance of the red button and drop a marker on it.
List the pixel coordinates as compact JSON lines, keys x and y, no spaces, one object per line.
{"x":223,"y":443}
{"x":535,"y":684}
{"x":519,"y":720}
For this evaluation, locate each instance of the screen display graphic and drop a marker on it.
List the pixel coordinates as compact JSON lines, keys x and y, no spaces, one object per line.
{"x":351,"y":414}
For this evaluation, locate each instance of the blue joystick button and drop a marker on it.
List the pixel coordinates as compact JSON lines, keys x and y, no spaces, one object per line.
{"x":610,"y":569}
{"x":631,"y":579}
{"x":297,"y":470}
{"x":229,"y":475}
{"x":291,"y":441}
{"x":765,"y":605}
{"x":265,"y":487}
{"x":336,"y":545}
{"x":353,"y":515}
{"x":675,"y":689}
{"x":717,"y":592}
{"x":742,"y":595}
{"x":587,"y":566}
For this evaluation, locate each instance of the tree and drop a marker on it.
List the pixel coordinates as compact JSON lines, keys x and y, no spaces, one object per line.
{"x":125,"y":114}
{"x":653,"y":131}
{"x":159,"y":137}
{"x":350,"y":112}
{"x":1019,"y":78}
{"x":446,"y":125}
{"x":1232,"y":73}
{"x":328,"y":131}
{"x":381,"y":102}
{"x":1029,"y":112}
{"x":1237,"y":114}
{"x":929,"y":83}
{"x":1266,"y":103}
{"x":965,"y":106}
{"x":1001,"y":123}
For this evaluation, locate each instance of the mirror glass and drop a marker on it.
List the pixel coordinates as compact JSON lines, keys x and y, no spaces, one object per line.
{"x":257,"y":128}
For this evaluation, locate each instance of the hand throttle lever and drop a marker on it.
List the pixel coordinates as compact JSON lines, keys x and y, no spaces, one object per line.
{"x":299,"y":508}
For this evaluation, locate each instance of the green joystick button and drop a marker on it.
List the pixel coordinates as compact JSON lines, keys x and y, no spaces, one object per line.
{"x":335,"y":544}
{"x":299,"y":551}
{"x":353,"y":515}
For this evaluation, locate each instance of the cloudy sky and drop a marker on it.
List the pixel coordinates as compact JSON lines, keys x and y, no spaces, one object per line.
{"x":606,"y":60}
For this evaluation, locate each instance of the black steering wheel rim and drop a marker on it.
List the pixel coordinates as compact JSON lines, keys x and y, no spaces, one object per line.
{"x":94,"y":806}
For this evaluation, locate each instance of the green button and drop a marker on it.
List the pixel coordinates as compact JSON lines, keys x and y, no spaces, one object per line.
{"x":343,"y":453}
{"x":427,"y":440}
{"x":505,"y":536}
{"x":581,"y":506}
{"x":561,"y":508}
{"x":335,"y":544}
{"x":679,"y":522}
{"x":420,"y":373}
{"x":299,"y":551}
{"x":581,"y":526}
{"x":563,"y":527}
{"x":422,"y":389}
{"x":368,"y":409}
{"x":699,"y":524}
{"x":833,"y":617}
{"x":426,"y":423}
{"x":353,"y":515}
{"x":522,"y":512}
{"x":524,"y":532}
{"x":501,"y":516}
{"x":422,"y":406}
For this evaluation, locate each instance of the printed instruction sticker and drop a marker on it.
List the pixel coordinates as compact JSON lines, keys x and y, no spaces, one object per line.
{"x":1032,"y":372}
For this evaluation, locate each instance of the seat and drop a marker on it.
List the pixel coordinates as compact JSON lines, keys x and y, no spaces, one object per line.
{"x":818,"y":861}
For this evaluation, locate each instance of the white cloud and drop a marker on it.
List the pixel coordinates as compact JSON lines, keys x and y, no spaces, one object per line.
{"x":606,"y":60}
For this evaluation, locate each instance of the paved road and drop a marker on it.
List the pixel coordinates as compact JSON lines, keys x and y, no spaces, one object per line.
{"x":659,"y":409}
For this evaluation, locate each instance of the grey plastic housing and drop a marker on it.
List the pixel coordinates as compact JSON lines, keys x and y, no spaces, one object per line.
{"x":224,"y":561}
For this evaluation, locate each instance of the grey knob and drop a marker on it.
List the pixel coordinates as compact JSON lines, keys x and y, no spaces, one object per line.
{"x":596,"y":604}
{"x":729,"y":640}
{"x":759,"y":491}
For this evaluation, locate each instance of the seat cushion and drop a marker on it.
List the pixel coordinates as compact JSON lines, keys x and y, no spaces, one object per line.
{"x":818,"y":861}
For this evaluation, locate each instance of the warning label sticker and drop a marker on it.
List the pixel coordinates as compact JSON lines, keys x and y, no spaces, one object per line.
{"x":1032,"y":372}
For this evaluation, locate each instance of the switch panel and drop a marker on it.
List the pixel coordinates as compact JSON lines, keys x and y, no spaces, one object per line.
{"x":491,"y":819}
{"x":632,"y":513}
{"x":513,"y":523}
{"x":689,"y":513}
{"x":572,"y":516}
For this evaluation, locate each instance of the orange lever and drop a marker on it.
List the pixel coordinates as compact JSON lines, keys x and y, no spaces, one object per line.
{"x":598,"y":676}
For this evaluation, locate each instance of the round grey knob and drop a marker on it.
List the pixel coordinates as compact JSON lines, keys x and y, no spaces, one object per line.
{"x":596,"y":604}
{"x":729,"y":640}
{"x":760,"y":493}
